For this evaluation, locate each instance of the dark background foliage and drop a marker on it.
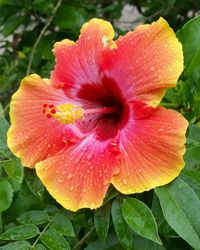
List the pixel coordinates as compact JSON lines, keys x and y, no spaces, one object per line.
{"x":29,"y":217}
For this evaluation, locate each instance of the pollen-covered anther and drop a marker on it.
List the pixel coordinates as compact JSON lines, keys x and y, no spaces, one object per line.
{"x":68,"y":113}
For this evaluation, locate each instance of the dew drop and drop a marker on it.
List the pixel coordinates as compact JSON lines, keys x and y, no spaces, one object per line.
{"x":84,"y":190}
{"x":63,"y":172}
{"x":60,"y":180}
{"x":152,"y":68}
{"x":71,"y":188}
{"x":124,"y":181}
{"x":70,"y":176}
{"x":89,"y":157}
{"x":160,"y":130}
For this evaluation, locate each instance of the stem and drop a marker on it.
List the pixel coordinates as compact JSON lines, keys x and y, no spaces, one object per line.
{"x":82,"y":240}
{"x":43,"y":231}
{"x":41,"y":35}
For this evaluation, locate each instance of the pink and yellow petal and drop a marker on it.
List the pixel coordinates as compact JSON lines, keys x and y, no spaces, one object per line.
{"x":32,"y":136}
{"x":80,"y":176}
{"x":145,"y":62}
{"x":78,"y":63}
{"x":152,"y":148}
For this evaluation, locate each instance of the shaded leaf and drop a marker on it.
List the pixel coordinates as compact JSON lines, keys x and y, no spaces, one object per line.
{"x":180,"y":214}
{"x":62,"y":225}
{"x":123,"y":231}
{"x":101,"y":221}
{"x":34,"y":184}
{"x":140,"y":218}
{"x":35,"y":217}
{"x":6,"y":194}
{"x":18,"y":245}
{"x":14,"y":169}
{"x":53,"y":240}
{"x":20,"y":232}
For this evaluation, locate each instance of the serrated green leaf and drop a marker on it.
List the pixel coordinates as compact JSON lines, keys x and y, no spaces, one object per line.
{"x":35,"y":217}
{"x":101,"y":221}
{"x":53,"y":240}
{"x":140,"y":218}
{"x":181,"y":206}
{"x":122,"y":229}
{"x":6,"y":194}
{"x":23,"y":232}
{"x":14,"y":169}
{"x":62,"y":225}
{"x":18,"y":245}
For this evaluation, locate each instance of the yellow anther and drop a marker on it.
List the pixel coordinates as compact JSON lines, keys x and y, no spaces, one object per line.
{"x":68,"y":113}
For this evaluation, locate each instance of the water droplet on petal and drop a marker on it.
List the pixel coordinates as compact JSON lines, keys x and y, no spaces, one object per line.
{"x":89,"y":157}
{"x":160,"y":130}
{"x":124,"y":181}
{"x":60,"y":180}
{"x":70,"y":176}
{"x":63,"y":172}
{"x":71,"y":188}
{"x":152,"y":68}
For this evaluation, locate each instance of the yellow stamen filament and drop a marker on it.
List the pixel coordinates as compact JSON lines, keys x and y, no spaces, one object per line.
{"x":68,"y":113}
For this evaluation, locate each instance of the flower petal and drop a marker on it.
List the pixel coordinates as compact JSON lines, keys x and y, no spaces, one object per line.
{"x":78,"y":63}
{"x":145,"y":62}
{"x":79,"y":177}
{"x":152,"y":147}
{"x":32,"y":136}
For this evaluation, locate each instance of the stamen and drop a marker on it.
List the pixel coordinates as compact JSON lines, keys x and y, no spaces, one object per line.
{"x":68,"y":113}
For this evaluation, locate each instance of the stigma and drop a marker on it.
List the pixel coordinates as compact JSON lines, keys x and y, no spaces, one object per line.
{"x":68,"y":113}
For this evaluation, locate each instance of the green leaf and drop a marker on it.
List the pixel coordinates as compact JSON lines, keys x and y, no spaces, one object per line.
{"x":45,"y":47}
{"x":4,"y":2}
{"x":11,"y":24}
{"x":181,"y":206}
{"x":140,"y":218}
{"x":35,"y":217}
{"x":6,"y":194}
{"x":62,"y":225}
{"x":34,"y":184}
{"x":68,"y":16}
{"x":53,"y":240}
{"x":39,"y":247}
{"x":4,"y":125}
{"x":101,"y":221}
{"x":140,"y":243}
{"x":111,"y":243}
{"x":123,"y":230}
{"x":14,"y":169}
{"x":193,"y":144}
{"x":23,"y":232}
{"x":18,"y":245}
{"x":189,"y":36}
{"x":192,"y":178}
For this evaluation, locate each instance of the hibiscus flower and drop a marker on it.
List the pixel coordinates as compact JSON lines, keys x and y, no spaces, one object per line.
{"x":97,"y":121}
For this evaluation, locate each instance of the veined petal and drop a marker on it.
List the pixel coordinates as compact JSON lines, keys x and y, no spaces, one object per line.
{"x":79,"y":177}
{"x":32,"y":136}
{"x":152,"y":147}
{"x":145,"y":62}
{"x":78,"y":63}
